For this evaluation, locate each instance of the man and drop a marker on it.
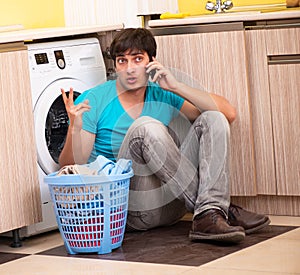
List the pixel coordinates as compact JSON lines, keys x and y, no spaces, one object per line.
{"x":130,"y":118}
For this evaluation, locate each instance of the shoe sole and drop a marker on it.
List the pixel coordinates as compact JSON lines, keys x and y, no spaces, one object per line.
{"x":259,"y":227}
{"x":234,"y":237}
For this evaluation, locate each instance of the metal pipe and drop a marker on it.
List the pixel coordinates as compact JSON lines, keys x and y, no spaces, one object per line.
{"x":219,"y":7}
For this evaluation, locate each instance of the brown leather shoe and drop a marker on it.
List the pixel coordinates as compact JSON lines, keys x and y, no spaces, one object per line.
{"x":212,"y":226}
{"x":250,"y":221}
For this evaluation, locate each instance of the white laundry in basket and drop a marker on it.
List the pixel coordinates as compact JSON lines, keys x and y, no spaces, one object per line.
{"x":101,"y":166}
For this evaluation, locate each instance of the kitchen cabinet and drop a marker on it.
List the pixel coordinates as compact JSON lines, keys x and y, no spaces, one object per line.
{"x":20,"y":196}
{"x":261,"y":111}
{"x":285,"y":99}
{"x":258,"y":70}
{"x":20,"y":201}
{"x":216,"y":62}
{"x":273,"y":54}
{"x":283,"y":50}
{"x":274,"y":69}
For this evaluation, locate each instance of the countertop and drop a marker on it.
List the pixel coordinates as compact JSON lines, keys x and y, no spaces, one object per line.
{"x":34,"y":34}
{"x":227,"y":17}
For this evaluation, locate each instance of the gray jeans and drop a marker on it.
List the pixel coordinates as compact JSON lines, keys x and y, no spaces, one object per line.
{"x":171,"y":179}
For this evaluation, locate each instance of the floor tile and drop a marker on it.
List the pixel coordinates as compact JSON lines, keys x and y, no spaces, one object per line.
{"x":7,"y":257}
{"x":275,"y":255}
{"x":171,"y":245}
{"x":34,"y":244}
{"x":49,"y":265}
{"x":285,"y":220}
{"x":292,"y":235}
{"x":275,"y":220}
{"x":222,"y":271}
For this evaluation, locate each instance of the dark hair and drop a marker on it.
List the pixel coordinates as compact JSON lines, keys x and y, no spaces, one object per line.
{"x":133,"y":39}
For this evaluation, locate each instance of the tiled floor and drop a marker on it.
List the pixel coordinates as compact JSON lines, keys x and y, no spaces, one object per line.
{"x":278,"y":255}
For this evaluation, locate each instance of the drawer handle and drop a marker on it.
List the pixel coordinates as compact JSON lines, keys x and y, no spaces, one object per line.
{"x":284,"y":59}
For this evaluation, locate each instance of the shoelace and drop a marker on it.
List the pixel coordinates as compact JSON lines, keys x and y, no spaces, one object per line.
{"x":215,"y":215}
{"x":235,"y":207}
{"x":234,"y":210}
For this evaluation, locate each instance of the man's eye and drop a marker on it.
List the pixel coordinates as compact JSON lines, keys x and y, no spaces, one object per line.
{"x":139,"y":58}
{"x":121,"y":61}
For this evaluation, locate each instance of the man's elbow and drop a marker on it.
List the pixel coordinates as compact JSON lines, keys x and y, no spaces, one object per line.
{"x":62,"y":161}
{"x":231,"y":115}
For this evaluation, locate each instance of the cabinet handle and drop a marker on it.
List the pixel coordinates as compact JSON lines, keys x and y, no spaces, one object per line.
{"x":272,"y":24}
{"x":284,"y":59}
{"x":10,"y":47}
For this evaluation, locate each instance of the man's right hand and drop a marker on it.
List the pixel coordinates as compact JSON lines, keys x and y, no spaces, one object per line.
{"x":74,"y":111}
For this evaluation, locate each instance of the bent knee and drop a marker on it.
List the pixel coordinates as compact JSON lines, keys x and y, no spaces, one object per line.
{"x":148,"y":125}
{"x":213,"y":119}
{"x":212,"y":116}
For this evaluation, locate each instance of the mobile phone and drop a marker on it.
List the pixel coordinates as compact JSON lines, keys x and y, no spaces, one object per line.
{"x":152,"y":72}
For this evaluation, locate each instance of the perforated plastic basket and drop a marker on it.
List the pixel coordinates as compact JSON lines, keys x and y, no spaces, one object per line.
{"x":91,"y":211}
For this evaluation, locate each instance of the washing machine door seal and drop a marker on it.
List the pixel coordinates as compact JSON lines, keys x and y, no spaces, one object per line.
{"x":41,"y":110}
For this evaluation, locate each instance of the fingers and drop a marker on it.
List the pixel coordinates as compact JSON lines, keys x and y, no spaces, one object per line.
{"x":74,"y":111}
{"x":64,"y":96}
{"x":71,"y":96}
{"x":79,"y":109}
{"x":84,"y":104}
{"x":153,"y":65}
{"x":68,"y":100}
{"x":152,"y":69}
{"x":82,"y":109}
{"x":157,"y":72}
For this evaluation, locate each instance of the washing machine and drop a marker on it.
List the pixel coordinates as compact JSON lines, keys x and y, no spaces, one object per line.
{"x":54,"y":65}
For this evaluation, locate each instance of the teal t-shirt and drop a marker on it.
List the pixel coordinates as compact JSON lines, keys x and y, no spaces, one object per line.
{"x":109,"y":122}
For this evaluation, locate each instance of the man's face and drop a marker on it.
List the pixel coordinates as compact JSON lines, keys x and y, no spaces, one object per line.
{"x":131,"y":70}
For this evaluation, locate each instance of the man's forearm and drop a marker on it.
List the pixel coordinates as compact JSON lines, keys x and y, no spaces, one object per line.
{"x":72,"y":151}
{"x":205,"y":101}
{"x":202,"y":100}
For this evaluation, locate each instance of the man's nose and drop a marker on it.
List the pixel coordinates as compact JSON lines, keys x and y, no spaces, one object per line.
{"x":131,"y":66}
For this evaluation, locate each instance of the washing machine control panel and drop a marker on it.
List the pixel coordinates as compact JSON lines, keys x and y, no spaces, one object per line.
{"x":60,"y":60}
{"x":48,"y":60}
{"x":41,"y":58}
{"x":68,"y":58}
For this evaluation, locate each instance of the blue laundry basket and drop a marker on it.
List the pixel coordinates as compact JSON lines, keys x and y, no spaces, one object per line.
{"x":91,"y":211}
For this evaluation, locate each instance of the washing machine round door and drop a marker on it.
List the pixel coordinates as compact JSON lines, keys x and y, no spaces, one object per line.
{"x":51,"y":121}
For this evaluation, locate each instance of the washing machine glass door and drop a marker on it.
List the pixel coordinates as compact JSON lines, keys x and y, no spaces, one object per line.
{"x":51,"y":122}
